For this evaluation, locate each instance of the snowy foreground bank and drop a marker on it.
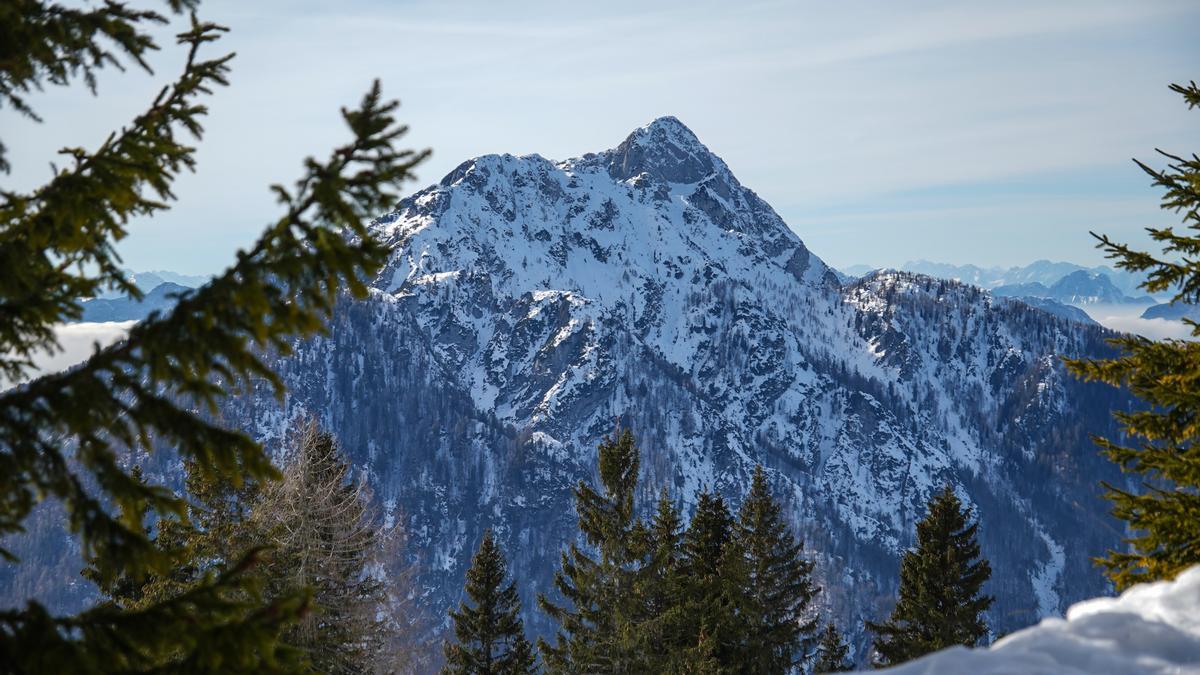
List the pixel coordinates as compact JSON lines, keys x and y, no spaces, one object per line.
{"x":1151,"y":628}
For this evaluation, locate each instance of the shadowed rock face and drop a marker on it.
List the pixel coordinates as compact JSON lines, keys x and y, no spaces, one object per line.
{"x":665,"y":150}
{"x":527,"y":304}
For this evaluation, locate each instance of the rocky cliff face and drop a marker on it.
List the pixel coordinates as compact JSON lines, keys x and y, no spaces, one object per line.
{"x":529,"y":304}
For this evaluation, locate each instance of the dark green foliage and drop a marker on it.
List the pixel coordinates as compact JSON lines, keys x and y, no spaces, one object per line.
{"x":47,"y":43}
{"x":779,"y":590}
{"x":62,"y":435}
{"x":490,"y":637}
{"x":214,"y":536}
{"x":121,"y":590}
{"x":599,"y":588}
{"x":1159,"y":440}
{"x":715,"y":587}
{"x":316,"y":539}
{"x":707,"y":536}
{"x":940,"y":605}
{"x":661,"y":635}
{"x":833,"y":655}
{"x":723,"y":595}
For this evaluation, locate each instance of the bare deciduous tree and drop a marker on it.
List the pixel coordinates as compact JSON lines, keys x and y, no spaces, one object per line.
{"x":328,"y":539}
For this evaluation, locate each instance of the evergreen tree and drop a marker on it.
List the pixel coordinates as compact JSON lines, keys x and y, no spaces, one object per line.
{"x":715,"y":577}
{"x":490,"y":637}
{"x":940,"y":605}
{"x":62,"y":435}
{"x":121,"y":590}
{"x":1159,"y":442}
{"x":779,"y":589}
{"x":594,"y":625}
{"x":214,"y":536}
{"x":661,"y":634}
{"x":324,"y":539}
{"x":833,"y":655}
{"x":663,"y":551}
{"x":316,"y":537}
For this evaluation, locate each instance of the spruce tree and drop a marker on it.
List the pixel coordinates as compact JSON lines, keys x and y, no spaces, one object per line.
{"x":1159,"y":442}
{"x":940,"y":604}
{"x":833,"y":654}
{"x":715,"y":575}
{"x":62,"y":435}
{"x":489,"y":637}
{"x":593,"y":624}
{"x":215,"y":535}
{"x":660,"y":574}
{"x":779,"y":589}
{"x":661,"y":633}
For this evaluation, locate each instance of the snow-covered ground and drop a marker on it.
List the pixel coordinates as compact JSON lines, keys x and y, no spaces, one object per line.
{"x":1151,"y":628}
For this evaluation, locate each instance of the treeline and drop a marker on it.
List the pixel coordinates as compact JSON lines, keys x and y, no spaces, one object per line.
{"x":732,"y":592}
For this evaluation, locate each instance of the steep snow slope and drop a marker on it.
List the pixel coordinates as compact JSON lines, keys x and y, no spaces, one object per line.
{"x":529,"y":304}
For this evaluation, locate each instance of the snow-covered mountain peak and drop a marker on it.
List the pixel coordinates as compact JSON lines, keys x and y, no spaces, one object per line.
{"x":527,"y":303}
{"x":659,"y":210}
{"x":665,"y":150}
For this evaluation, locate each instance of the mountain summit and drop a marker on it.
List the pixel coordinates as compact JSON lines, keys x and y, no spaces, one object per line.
{"x":666,"y":150}
{"x":527,"y":304}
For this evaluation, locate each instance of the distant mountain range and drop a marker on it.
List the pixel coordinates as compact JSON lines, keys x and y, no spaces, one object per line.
{"x":1080,"y":287}
{"x":126,"y":308}
{"x":1045,"y":272}
{"x":148,"y":281}
{"x":1052,"y":286}
{"x":160,"y":289}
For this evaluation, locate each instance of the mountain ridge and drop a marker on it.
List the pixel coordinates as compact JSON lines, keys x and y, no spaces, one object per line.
{"x":1044,"y":272}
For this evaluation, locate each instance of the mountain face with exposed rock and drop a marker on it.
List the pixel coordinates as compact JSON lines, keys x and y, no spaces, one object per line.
{"x":529,"y":305}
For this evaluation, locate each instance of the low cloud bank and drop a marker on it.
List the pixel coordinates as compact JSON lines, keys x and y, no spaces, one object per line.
{"x":1151,"y":628}
{"x":1128,"y":319}
{"x":78,"y":342}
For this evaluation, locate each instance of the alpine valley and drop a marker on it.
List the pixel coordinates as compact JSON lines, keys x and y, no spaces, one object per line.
{"x":529,"y":306}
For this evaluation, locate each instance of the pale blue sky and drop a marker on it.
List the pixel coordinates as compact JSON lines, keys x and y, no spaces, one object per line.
{"x":989,"y":133}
